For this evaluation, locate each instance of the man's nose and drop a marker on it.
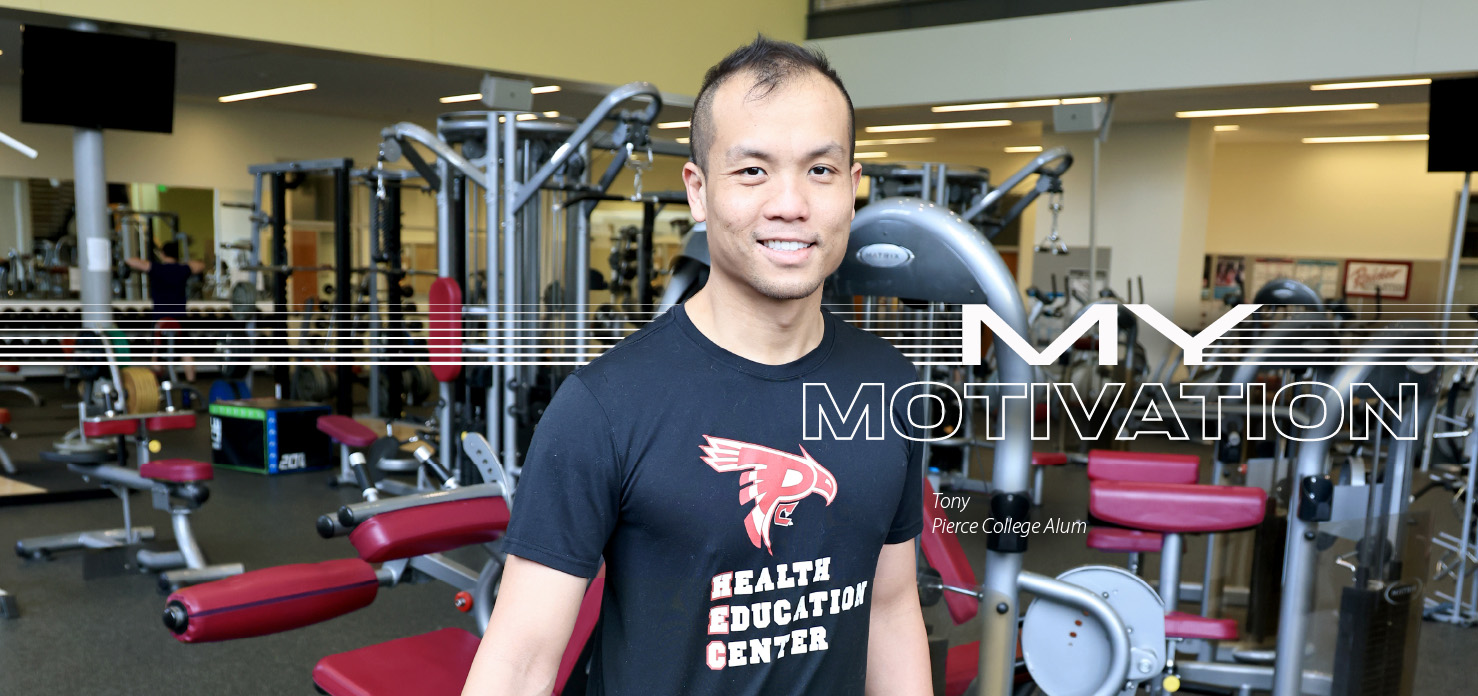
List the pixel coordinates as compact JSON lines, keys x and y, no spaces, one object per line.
{"x":788,"y":202}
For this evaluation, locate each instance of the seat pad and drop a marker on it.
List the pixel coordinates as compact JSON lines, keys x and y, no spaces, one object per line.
{"x":4,"y":416}
{"x":417,"y":531}
{"x":1188,"y":626}
{"x":945,"y":554}
{"x":179,"y":421}
{"x":1048,"y":458}
{"x":1117,"y":540}
{"x":110,"y":427}
{"x":271,"y":600}
{"x":346,"y":431}
{"x":431,"y":664}
{"x":1176,"y":507}
{"x":177,"y":470}
{"x":1111,"y":465}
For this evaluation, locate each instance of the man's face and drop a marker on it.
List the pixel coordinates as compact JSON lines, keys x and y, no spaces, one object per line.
{"x":780,"y":186}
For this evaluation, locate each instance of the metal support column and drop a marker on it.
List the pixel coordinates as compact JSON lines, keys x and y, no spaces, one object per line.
{"x":339,"y":344}
{"x":94,"y":249}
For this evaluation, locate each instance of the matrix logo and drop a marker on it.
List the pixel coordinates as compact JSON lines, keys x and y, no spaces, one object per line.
{"x":1106,"y":316}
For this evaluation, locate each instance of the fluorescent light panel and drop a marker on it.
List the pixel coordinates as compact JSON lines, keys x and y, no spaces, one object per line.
{"x":474,"y":97}
{"x":1225,"y":129}
{"x":1024,"y":148}
{"x":551,"y":114}
{"x":1369,"y":85}
{"x":935,"y":126}
{"x":1014,"y":104}
{"x":669,"y":125}
{"x":1368,"y":139}
{"x":870,"y":155}
{"x":307,"y":86}
{"x":1258,"y":111}
{"x":895,"y":141}
{"x":684,"y":140}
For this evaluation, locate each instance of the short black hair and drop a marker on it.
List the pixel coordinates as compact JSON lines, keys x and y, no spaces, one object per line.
{"x":171,"y":249}
{"x":771,"y":63}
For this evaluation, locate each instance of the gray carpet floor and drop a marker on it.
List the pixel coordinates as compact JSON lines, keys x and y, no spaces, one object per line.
{"x":104,"y":635}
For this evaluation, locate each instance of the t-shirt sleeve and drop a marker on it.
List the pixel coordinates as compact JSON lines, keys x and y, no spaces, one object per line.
{"x":568,"y":495}
{"x":908,"y":522}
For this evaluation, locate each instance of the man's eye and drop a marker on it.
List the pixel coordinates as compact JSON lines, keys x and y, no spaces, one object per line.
{"x":751,"y":171}
{"x":820,"y":170}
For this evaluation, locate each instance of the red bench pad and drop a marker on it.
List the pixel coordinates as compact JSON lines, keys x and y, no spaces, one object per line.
{"x":1175,"y":507}
{"x":4,"y":416}
{"x":444,"y":328}
{"x":1179,"y":625}
{"x":962,"y":666}
{"x":110,"y":428}
{"x":177,"y":470}
{"x":945,"y":554}
{"x":272,"y":600}
{"x":1110,"y":465}
{"x":431,"y":664}
{"x":1048,"y":458}
{"x":346,"y":431}
{"x":1118,"y":540}
{"x":427,"y":529}
{"x":179,"y":421}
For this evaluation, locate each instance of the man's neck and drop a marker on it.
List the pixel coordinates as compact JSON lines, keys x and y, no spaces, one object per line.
{"x":754,"y":327}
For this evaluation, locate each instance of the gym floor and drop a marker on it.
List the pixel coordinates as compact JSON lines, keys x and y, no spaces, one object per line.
{"x":104,"y":635}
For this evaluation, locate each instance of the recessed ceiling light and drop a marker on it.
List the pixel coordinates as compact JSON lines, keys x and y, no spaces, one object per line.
{"x":870,"y":155}
{"x":526,"y":117}
{"x":895,"y":141}
{"x":544,"y":90}
{"x":1368,"y":139}
{"x":935,"y":126}
{"x":1369,"y":85}
{"x":307,"y":86}
{"x":1274,"y":110}
{"x":551,"y":114}
{"x":460,"y":98}
{"x":674,"y":124}
{"x":1225,"y":129}
{"x":684,"y":140}
{"x":1024,"y":148}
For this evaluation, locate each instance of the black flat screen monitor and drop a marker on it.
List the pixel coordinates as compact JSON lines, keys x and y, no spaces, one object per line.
{"x":93,"y":80}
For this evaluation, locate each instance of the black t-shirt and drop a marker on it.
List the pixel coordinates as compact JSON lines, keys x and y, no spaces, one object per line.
{"x":167,"y":287}
{"x":739,"y":556}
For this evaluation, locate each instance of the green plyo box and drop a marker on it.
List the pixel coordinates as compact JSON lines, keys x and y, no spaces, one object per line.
{"x":269,"y":436}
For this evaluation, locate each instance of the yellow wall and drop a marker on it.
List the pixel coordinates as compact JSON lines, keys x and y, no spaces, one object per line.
{"x":1367,"y":200}
{"x":666,"y":42}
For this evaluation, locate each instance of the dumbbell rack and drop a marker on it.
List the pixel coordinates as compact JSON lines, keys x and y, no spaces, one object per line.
{"x":1460,"y":606}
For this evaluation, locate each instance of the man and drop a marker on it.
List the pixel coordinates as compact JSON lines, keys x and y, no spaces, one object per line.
{"x":739,"y":557}
{"x":168,"y":279}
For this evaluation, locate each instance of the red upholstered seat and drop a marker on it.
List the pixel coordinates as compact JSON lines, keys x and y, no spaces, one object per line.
{"x":179,"y":421}
{"x":176,"y":470}
{"x":1116,"y":540}
{"x":1179,"y":625}
{"x":1048,"y":458}
{"x":272,"y":600}
{"x":10,"y":368}
{"x":945,"y":554}
{"x":1175,"y":507}
{"x":418,"y":531}
{"x":1110,"y":465}
{"x":962,"y":665}
{"x":346,"y":431}
{"x":436,"y":663}
{"x":444,"y":328}
{"x":4,"y":416}
{"x":431,"y":664}
{"x":110,"y":428}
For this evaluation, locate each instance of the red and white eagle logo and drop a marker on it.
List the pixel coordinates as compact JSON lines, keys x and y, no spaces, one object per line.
{"x":774,"y":481}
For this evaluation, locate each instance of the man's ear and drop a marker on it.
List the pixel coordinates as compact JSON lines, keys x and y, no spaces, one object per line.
{"x":694,"y":183}
{"x":856,"y":182}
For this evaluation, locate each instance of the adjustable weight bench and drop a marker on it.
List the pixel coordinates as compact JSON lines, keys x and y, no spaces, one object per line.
{"x":176,"y":486}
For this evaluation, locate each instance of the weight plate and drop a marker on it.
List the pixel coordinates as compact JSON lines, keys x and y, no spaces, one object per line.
{"x":243,"y":301}
{"x":1067,"y":652}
